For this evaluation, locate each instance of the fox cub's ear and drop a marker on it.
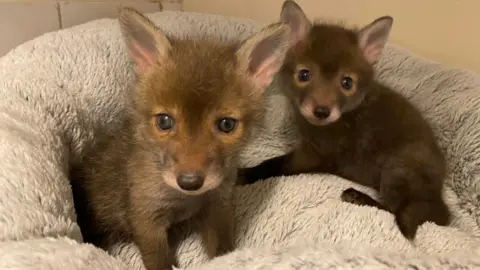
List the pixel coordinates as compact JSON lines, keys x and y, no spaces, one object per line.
{"x":373,"y":37}
{"x":262,"y":55}
{"x":147,"y":45}
{"x":299,"y":24}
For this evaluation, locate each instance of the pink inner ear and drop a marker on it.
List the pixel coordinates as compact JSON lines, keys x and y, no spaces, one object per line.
{"x":372,"y":51}
{"x":144,"y":60}
{"x":266,"y":71}
{"x":300,"y":36}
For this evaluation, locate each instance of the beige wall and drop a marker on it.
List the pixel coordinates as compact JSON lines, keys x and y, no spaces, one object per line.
{"x":445,"y":31}
{"x":22,"y":20}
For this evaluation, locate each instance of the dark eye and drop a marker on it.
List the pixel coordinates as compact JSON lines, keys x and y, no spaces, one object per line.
{"x":165,"y":122}
{"x":347,"y":83}
{"x":227,"y":124}
{"x":304,"y":75}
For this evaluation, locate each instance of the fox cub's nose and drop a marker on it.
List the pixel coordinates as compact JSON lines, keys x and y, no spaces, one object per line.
{"x":321,"y":112}
{"x":190,"y":181}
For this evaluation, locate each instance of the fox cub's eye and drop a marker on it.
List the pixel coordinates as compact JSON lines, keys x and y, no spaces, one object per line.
{"x":226,"y":124}
{"x":347,"y":83}
{"x":304,"y":75}
{"x":165,"y":122}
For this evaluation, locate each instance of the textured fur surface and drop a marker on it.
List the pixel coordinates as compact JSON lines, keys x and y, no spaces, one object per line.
{"x":64,"y":89}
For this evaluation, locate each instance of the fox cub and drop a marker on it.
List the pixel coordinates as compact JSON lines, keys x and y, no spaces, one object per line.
{"x":175,"y":156}
{"x":355,"y":127}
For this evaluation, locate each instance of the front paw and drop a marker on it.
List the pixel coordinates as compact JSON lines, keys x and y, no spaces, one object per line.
{"x":356,"y":197}
{"x":351,"y":195}
{"x":159,"y":261}
{"x":224,"y":247}
{"x":172,"y":261}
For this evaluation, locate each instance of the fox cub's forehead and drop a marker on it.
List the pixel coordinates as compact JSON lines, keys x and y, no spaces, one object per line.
{"x":207,"y":83}
{"x":202,"y":77}
{"x":196,"y":90}
{"x":202,"y":55}
{"x":198,"y":74}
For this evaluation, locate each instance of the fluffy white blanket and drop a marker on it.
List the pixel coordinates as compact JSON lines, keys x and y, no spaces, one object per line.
{"x":61,"y":90}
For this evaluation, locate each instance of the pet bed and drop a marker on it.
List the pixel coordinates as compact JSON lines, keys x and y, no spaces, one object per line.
{"x":61,"y":91}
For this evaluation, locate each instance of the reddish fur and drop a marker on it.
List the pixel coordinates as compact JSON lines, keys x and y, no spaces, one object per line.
{"x":126,"y":189}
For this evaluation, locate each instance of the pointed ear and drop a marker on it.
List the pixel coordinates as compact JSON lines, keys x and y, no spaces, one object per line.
{"x":145,"y":42}
{"x":299,"y":24}
{"x":261,"y":56}
{"x":373,"y":37}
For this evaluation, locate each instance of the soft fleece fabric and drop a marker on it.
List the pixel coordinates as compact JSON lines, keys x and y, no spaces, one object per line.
{"x":64,"y":89}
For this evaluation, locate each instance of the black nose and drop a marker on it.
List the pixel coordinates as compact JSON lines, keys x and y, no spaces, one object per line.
{"x":321,"y":112}
{"x":190,"y":181}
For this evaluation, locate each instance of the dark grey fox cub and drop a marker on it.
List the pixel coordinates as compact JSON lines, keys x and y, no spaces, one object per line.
{"x":354,"y":127}
{"x":191,"y":111}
